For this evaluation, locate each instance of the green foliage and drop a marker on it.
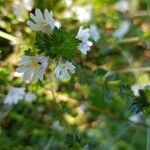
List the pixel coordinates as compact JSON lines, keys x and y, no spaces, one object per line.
{"x":30,"y":52}
{"x":91,"y":110}
{"x":72,"y":139}
{"x":60,"y":44}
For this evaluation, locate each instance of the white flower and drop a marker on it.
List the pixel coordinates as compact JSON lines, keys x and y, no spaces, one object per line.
{"x":42,"y":23}
{"x":28,"y":4}
{"x":122,"y":30}
{"x":83,"y":34}
{"x":82,"y":108}
{"x":32,"y":67}
{"x":122,"y":5}
{"x":62,"y":70}
{"x":136,"y":87}
{"x":84,"y":47}
{"x":83,"y":13}
{"x":94,"y":32}
{"x":30,"y":97}
{"x":86,"y":147}
{"x":20,"y":7}
{"x":137,"y":118}
{"x":68,"y":14}
{"x":56,"y":126}
{"x":68,"y":2}
{"x":14,"y":95}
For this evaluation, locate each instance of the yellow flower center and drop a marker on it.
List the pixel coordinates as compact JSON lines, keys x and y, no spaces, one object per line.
{"x":44,"y":23}
{"x":35,"y":63}
{"x":64,"y":67}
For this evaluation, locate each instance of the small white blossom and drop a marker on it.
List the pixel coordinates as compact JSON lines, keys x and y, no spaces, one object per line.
{"x":30,"y":97}
{"x":84,"y":47}
{"x":42,"y":23}
{"x":122,"y":5}
{"x":68,"y":14}
{"x":62,"y":70}
{"x":14,"y":95}
{"x":83,"y":13}
{"x":83,"y":35}
{"x":68,"y":2}
{"x":82,"y":108}
{"x":136,"y":87}
{"x":56,"y":126}
{"x":137,"y":118}
{"x":122,"y":30}
{"x":32,"y":67}
{"x":20,"y":7}
{"x":94,"y":32}
{"x":28,"y":4}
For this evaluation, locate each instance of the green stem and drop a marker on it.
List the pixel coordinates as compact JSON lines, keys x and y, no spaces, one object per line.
{"x":57,"y":110}
{"x":130,"y":40}
{"x":148,"y":139}
{"x":138,"y":69}
{"x":48,"y":144}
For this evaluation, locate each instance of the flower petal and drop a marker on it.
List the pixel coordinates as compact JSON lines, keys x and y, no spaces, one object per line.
{"x":39,"y":15}
{"x":28,"y":75}
{"x":33,"y":26}
{"x":24,"y":60}
{"x":38,"y":74}
{"x":33,"y":17}
{"x":23,"y":69}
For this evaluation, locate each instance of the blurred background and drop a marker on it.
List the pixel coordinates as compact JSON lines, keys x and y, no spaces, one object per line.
{"x":89,"y":111}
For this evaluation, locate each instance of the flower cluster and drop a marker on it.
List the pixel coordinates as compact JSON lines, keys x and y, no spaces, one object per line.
{"x":52,"y":42}
{"x":20,"y":7}
{"x":122,"y":30}
{"x":16,"y":94}
{"x":83,"y":35}
{"x":122,"y":5}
